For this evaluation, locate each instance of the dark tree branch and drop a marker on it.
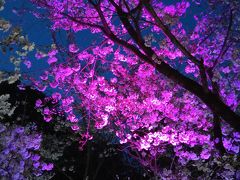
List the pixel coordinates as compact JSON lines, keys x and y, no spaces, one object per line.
{"x":217,"y":134}
{"x":223,"y":51}
{"x":132,"y":32}
{"x":203,"y":76}
{"x":217,"y":131}
{"x":169,"y":34}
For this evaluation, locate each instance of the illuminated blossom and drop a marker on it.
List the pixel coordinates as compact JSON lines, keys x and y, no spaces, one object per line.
{"x":73,"y":48}
{"x":28,"y":63}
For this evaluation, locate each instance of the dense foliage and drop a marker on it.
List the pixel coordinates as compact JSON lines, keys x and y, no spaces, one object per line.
{"x":162,"y":91}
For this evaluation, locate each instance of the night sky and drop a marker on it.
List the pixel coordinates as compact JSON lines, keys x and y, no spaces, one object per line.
{"x":18,"y":12}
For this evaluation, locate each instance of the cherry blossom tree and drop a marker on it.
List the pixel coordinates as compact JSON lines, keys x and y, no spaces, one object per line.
{"x":162,"y":88}
{"x":128,"y":29}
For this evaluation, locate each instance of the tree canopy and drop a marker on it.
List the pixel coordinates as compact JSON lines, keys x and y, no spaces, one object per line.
{"x":161,"y":80}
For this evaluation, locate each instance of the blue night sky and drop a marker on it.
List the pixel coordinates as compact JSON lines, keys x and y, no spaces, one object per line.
{"x":15,"y":11}
{"x":37,"y":30}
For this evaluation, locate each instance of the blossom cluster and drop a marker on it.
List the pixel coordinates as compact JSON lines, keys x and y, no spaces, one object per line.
{"x":5,"y":106}
{"x":19,"y":156}
{"x":151,"y":122}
